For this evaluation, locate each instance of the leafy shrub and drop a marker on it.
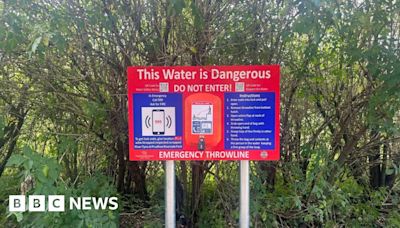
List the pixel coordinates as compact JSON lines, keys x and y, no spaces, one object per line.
{"x":46,"y":173}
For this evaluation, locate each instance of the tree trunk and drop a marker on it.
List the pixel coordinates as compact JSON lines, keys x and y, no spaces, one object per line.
{"x":138,"y":172}
{"x":197,"y":180}
{"x":374,"y":161}
{"x":12,"y":137}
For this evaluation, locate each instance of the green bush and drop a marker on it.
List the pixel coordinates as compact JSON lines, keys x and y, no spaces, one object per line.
{"x":46,"y":173}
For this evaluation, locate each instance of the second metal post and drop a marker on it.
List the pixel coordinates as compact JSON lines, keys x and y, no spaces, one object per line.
{"x":244,"y":194}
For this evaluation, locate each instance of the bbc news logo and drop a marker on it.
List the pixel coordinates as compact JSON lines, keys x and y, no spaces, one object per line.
{"x":56,"y":203}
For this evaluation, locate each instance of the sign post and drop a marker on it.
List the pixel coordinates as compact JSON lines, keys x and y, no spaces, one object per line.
{"x":170,"y":194}
{"x":244,"y":219}
{"x":204,"y":113}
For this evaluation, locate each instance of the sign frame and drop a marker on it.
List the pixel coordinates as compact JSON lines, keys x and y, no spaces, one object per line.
{"x":233,"y":80}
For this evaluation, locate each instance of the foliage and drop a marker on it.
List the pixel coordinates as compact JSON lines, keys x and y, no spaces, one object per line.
{"x":46,"y":173}
{"x":63,"y":93}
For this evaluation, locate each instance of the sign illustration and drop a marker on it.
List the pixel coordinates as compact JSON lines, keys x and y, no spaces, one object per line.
{"x":202,"y":119}
{"x":204,"y":112}
{"x":158,"y":121}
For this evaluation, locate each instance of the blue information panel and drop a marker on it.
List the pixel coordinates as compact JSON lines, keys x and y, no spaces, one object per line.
{"x":155,"y":120}
{"x":249,"y":121}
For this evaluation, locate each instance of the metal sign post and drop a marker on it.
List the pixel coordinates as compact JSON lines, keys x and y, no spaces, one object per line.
{"x":169,"y":194}
{"x":244,"y":194}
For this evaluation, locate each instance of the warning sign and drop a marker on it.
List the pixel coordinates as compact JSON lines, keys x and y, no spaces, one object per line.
{"x":204,"y":113}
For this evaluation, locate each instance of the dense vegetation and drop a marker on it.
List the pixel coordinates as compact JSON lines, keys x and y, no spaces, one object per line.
{"x":63,"y":108}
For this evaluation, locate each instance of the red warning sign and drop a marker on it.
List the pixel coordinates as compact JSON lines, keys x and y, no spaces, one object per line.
{"x":204,"y":112}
